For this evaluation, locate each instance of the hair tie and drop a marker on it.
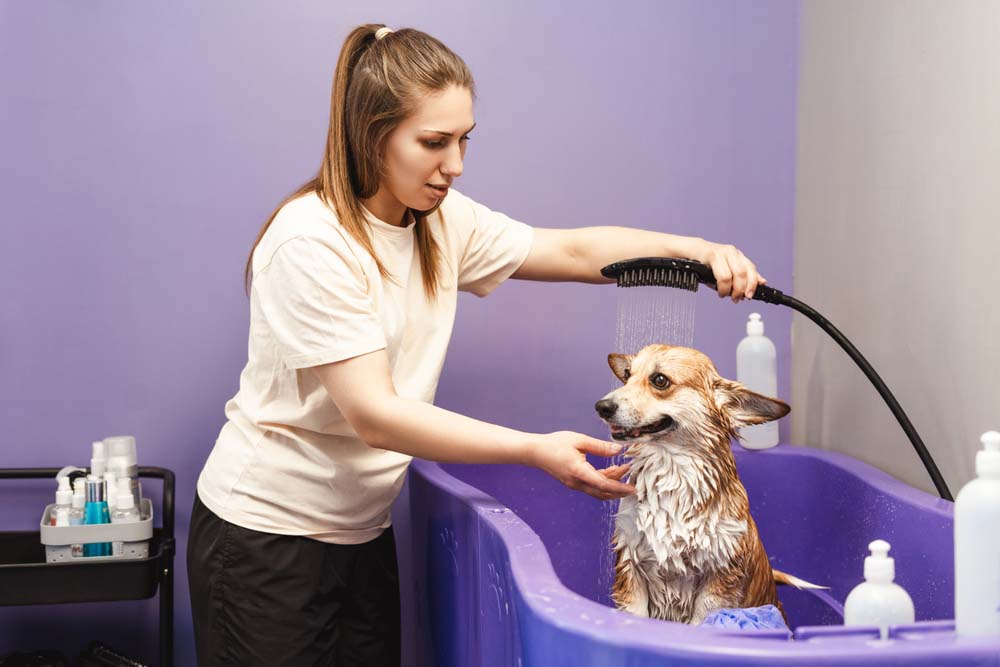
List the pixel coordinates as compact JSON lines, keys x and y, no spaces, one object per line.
{"x":382,"y":32}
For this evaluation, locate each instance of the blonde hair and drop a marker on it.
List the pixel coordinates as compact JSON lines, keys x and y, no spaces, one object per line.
{"x":377,"y":84}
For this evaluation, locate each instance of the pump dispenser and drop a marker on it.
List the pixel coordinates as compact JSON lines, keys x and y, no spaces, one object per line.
{"x":97,"y":459}
{"x":977,"y":546}
{"x":756,"y":368}
{"x":64,"y":499}
{"x":877,"y":600}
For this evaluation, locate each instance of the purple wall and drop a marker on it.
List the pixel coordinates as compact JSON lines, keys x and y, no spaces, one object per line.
{"x":143,"y":146}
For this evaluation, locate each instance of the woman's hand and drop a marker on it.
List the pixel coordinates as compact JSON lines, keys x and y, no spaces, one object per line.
{"x":735,"y":275}
{"x":561,"y":454}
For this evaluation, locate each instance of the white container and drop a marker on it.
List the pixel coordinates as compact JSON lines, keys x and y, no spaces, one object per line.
{"x":977,"y":546}
{"x":122,"y":460}
{"x":60,"y":540}
{"x":878,"y":601}
{"x":126,"y":512}
{"x":756,"y":368}
{"x":64,"y":497}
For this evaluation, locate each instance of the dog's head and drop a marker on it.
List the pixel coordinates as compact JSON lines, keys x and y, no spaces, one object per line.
{"x":675,"y":394}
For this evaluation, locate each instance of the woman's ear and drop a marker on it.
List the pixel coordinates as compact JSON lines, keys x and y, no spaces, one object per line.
{"x":620,"y":364}
{"x":745,"y":407}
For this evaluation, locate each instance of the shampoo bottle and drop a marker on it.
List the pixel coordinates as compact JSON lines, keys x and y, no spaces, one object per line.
{"x":977,"y":546}
{"x":877,"y":600}
{"x":756,"y":368}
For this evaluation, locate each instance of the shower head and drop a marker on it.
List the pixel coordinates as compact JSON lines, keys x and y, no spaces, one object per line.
{"x":671,"y":272}
{"x":686,"y":274}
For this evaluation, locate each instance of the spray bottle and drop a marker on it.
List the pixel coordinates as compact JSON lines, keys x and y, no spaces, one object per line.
{"x":977,"y":546}
{"x":64,"y":498}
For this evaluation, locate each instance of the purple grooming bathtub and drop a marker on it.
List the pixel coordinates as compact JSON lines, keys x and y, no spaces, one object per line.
{"x":506,"y":565}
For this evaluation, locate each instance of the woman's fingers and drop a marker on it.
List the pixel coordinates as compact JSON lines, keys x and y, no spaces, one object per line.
{"x":590,"y":445}
{"x":615,"y":472}
{"x":596,"y":484}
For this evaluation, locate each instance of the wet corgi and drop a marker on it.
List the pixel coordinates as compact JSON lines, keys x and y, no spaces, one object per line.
{"x":685,"y":543}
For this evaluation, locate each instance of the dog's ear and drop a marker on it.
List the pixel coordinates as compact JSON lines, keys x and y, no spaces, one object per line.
{"x":745,"y":407}
{"x":620,"y":364}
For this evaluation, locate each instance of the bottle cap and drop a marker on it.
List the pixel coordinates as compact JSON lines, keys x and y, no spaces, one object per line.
{"x":122,"y":445}
{"x":879,"y":568}
{"x":79,"y":499}
{"x":95,"y":490}
{"x":62,"y":516}
{"x":125,"y":501}
{"x":988,"y":458}
{"x":755,"y":326}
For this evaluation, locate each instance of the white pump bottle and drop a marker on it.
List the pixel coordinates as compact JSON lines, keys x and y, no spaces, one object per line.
{"x":977,"y":546}
{"x":877,"y":600}
{"x":756,"y":368}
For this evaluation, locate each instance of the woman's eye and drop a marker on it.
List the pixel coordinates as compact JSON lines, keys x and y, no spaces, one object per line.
{"x":441,"y":144}
{"x":660,"y":381}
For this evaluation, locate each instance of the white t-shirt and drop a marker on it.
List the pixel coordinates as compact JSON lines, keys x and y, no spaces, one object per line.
{"x":287,"y":461}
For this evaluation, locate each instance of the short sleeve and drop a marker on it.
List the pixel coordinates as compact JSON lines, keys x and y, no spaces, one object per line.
{"x":313,"y":298}
{"x":496,"y":247}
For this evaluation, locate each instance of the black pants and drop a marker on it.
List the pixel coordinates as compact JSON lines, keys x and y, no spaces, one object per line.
{"x":264,"y":599}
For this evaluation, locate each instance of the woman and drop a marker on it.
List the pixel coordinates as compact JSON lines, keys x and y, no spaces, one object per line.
{"x":353,"y":285}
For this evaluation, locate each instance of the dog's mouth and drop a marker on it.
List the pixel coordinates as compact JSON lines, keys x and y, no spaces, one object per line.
{"x":621,"y":433}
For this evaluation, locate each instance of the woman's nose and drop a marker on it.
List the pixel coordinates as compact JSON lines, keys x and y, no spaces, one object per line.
{"x":452,"y":167}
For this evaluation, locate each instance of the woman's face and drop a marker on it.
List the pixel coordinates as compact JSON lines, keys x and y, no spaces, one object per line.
{"x":425,"y":150}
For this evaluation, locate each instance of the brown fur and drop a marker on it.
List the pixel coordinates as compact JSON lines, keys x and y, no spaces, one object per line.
{"x":708,"y":410}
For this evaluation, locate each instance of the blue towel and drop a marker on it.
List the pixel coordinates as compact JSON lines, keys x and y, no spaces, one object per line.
{"x":752,"y":618}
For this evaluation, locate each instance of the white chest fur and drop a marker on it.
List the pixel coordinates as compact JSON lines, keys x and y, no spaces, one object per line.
{"x":667,"y":533}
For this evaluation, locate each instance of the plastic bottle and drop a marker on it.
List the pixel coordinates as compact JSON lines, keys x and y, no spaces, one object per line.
{"x":756,"y":368}
{"x":127,"y":512}
{"x":64,"y":499}
{"x":96,"y":512}
{"x":97,"y":458}
{"x":977,"y":546}
{"x":122,"y":450}
{"x":62,"y":517}
{"x":878,"y":601}
{"x":76,"y":514}
{"x":111,"y":485}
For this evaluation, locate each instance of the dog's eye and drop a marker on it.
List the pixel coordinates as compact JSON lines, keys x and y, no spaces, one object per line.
{"x":660,"y":381}
{"x":627,"y":374}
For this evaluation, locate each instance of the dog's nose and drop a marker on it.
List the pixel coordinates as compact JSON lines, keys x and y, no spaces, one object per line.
{"x":606,"y":407}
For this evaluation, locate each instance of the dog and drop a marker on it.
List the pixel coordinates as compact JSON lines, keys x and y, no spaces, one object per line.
{"x":685,"y":543}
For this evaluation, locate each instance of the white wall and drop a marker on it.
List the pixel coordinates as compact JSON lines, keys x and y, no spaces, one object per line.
{"x":898,"y":229}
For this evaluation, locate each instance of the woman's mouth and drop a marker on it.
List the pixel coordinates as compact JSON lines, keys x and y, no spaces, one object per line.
{"x":438,"y":191}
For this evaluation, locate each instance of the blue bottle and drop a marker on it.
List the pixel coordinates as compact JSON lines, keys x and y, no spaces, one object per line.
{"x":96,"y":511}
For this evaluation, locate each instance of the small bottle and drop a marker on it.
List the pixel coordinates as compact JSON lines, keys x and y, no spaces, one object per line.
{"x":756,"y":368}
{"x":97,"y":458}
{"x":977,"y":546}
{"x":76,"y":515}
{"x":877,"y":600}
{"x":64,"y":499}
{"x":126,"y":513}
{"x":122,"y":449}
{"x":62,"y":516}
{"x":96,"y":512}
{"x":111,"y":484}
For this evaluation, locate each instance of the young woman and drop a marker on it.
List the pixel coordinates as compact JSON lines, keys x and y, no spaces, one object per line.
{"x":353,"y":285}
